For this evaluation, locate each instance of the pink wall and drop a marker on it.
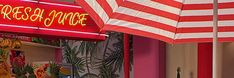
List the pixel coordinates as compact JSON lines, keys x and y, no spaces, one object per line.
{"x":58,"y":55}
{"x":149,"y":58}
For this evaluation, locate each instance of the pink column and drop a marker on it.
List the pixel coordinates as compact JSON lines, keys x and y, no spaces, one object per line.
{"x":149,"y":58}
{"x":204,"y":60}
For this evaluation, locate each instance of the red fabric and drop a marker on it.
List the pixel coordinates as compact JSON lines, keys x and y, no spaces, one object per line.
{"x":137,"y":32}
{"x":153,"y":11}
{"x":126,"y":57}
{"x":142,"y":21}
{"x":170,"y":3}
{"x":205,"y":60}
{"x":110,"y":16}
{"x":207,"y":6}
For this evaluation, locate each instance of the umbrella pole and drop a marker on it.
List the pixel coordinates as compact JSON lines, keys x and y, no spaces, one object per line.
{"x":215,"y":38}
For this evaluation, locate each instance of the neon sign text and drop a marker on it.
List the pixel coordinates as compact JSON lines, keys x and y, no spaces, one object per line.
{"x":39,"y":15}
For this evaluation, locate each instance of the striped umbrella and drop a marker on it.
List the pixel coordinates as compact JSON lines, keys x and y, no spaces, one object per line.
{"x":173,"y":21}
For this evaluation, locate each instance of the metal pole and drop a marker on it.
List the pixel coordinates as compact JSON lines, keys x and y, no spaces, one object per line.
{"x":215,"y":38}
{"x":126,"y":57}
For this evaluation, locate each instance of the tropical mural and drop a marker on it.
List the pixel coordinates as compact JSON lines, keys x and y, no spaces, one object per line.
{"x":105,"y":58}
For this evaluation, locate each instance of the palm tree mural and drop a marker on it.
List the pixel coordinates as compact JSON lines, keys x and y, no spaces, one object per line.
{"x":87,"y":56}
{"x":70,"y":56}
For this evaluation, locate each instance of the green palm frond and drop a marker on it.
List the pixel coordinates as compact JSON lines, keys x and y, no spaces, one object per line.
{"x":107,"y":72}
{"x":115,"y":55}
{"x":21,"y":72}
{"x":85,"y":56}
{"x":71,"y":57}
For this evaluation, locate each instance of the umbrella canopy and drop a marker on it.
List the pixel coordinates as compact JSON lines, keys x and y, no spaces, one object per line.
{"x":173,"y":21}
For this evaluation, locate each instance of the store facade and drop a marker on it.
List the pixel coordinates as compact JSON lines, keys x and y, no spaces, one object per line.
{"x":31,"y":33}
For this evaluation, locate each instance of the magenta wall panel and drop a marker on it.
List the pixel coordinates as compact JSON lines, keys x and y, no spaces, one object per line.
{"x":149,"y":58}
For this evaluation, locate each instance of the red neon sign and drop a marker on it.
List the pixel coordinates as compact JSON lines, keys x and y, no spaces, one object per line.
{"x":47,"y":18}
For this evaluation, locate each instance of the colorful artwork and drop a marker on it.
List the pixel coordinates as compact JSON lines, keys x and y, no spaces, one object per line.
{"x":4,"y":66}
{"x":41,"y":71}
{"x":65,"y":71}
{"x":17,"y":57}
{"x":4,"y":70}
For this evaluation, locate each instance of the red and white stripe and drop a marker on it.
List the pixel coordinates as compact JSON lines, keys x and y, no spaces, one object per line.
{"x":173,"y":21}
